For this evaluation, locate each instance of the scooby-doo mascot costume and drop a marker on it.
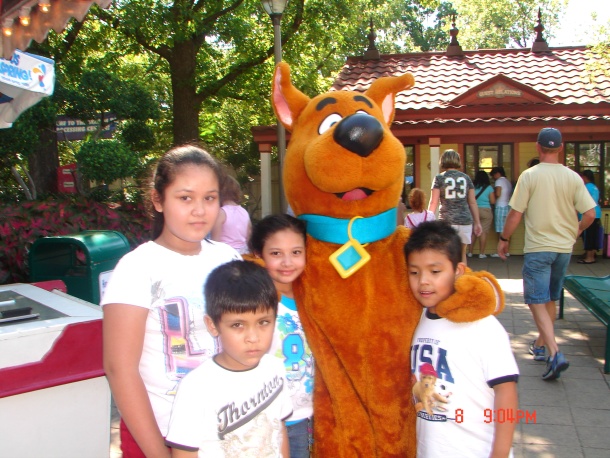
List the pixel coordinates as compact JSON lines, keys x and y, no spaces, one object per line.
{"x":343,"y":175}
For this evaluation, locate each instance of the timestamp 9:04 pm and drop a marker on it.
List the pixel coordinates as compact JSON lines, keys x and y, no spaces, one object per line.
{"x":501,"y":416}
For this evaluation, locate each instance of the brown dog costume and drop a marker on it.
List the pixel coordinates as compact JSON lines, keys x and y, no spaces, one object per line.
{"x":343,"y":174}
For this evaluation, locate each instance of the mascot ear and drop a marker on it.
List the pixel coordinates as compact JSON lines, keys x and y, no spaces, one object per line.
{"x":383,"y":91}
{"x":288,"y":102}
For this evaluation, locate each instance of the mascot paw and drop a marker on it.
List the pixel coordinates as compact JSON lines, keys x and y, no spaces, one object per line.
{"x":477,"y":295}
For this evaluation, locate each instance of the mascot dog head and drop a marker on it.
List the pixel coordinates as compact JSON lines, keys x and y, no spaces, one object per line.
{"x":347,"y":128}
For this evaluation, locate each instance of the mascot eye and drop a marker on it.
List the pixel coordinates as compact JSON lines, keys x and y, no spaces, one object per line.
{"x":328,"y":122}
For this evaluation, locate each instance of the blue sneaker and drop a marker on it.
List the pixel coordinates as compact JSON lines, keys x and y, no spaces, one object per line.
{"x":538,"y":352}
{"x":555,"y":366}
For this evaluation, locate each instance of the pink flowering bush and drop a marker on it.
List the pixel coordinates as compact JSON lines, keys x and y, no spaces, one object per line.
{"x":22,"y":223}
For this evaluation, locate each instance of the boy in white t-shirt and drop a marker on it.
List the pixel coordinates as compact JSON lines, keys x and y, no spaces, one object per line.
{"x":235,"y":403}
{"x":464,"y":374}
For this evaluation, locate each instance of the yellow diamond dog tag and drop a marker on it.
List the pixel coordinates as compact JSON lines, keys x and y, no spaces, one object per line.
{"x":351,"y":256}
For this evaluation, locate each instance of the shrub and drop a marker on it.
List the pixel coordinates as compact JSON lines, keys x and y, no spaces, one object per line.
{"x":21,"y":224}
{"x":107,"y":160}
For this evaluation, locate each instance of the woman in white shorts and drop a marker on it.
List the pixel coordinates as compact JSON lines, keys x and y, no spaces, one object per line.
{"x":454,"y":191}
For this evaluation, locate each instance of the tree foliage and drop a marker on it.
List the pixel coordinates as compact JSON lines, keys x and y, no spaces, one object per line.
{"x":107,"y":160}
{"x":208,"y":64}
{"x":97,"y":92}
{"x":486,"y":24}
{"x":599,"y":52}
{"x":19,"y":142}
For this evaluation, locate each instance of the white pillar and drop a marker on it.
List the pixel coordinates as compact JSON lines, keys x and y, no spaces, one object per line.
{"x":435,"y":154}
{"x":265,"y":183}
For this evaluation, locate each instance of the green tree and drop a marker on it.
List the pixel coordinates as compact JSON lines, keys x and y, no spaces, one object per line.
{"x":599,"y":52}
{"x":28,"y":139}
{"x":504,"y":23}
{"x":107,"y":160}
{"x":208,"y":64}
{"x":213,"y":60}
{"x":98,"y":92}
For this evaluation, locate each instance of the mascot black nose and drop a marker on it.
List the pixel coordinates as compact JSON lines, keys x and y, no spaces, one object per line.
{"x":359,"y":133}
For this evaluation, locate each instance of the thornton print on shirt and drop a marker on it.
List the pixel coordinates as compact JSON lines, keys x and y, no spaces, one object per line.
{"x":223,"y":413}
{"x":232,"y":416}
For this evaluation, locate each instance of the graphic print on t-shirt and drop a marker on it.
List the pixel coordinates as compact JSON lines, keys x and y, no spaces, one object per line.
{"x":297,"y":356}
{"x":256,"y":442}
{"x":234,"y":415}
{"x":178,"y":347}
{"x":431,"y":392}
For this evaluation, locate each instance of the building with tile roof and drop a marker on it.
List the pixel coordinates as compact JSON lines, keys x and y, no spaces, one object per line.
{"x":489,"y":105}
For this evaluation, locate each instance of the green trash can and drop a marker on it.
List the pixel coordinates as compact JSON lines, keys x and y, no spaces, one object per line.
{"x":83,"y":261}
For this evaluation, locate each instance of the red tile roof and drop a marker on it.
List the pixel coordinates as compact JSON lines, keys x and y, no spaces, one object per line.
{"x":506,"y":119}
{"x":561,"y":74}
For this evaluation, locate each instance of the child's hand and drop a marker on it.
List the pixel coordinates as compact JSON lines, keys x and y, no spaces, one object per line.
{"x":477,"y":295}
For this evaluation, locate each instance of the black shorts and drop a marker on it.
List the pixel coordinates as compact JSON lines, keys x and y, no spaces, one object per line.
{"x":590,"y":236}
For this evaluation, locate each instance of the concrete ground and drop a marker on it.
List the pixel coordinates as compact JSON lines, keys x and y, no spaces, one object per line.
{"x":568,"y":417}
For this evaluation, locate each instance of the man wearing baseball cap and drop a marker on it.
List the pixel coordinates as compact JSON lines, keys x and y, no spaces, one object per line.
{"x":548,"y":196}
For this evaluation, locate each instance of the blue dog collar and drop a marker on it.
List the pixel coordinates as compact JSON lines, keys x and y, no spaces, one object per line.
{"x":364,"y":229}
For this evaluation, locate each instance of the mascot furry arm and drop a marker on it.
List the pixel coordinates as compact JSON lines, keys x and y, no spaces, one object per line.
{"x":343,"y":174}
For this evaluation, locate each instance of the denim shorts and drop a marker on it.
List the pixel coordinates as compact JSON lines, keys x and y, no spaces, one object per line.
{"x":300,"y":438}
{"x":543,"y":274}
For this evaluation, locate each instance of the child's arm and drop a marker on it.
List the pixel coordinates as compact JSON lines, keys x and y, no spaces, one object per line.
{"x":123,"y":337}
{"x":435,"y":195}
{"x":474,"y":210}
{"x":285,"y":443}
{"x":505,"y":398}
{"x":177,"y":453}
{"x":217,"y":228}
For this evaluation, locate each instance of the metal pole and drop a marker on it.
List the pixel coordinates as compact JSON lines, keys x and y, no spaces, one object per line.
{"x":281,"y":132}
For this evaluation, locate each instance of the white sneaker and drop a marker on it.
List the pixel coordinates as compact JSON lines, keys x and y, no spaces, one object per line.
{"x":495,"y":255}
{"x":482,"y":256}
{"x":469,"y":255}
{"x":507,"y":255}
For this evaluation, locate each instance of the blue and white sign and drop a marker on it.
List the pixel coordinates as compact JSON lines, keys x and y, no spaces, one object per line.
{"x":24,"y":80}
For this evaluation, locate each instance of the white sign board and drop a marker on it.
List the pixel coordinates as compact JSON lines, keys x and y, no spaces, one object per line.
{"x":24,"y":80}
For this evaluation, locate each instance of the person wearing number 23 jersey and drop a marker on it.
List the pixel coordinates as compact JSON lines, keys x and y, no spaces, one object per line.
{"x":454,"y":191}
{"x":466,"y":368}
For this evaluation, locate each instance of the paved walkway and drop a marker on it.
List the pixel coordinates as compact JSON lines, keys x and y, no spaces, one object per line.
{"x":572,"y":414}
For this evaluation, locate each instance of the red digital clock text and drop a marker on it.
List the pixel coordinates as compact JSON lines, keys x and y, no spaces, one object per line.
{"x":501,"y":416}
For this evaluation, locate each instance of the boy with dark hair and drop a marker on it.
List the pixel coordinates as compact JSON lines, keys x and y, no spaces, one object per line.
{"x":464,"y":374}
{"x":234,"y":404}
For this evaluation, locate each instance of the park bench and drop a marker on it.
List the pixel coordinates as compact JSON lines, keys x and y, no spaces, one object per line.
{"x":594,"y":294}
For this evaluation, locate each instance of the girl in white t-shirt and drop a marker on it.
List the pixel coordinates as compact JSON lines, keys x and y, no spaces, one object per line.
{"x":417,"y":200}
{"x":280,"y":241}
{"x":154,"y":332}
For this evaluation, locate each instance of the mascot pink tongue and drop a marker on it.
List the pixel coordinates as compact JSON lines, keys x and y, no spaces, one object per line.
{"x":353,"y":297}
{"x":356,"y":194}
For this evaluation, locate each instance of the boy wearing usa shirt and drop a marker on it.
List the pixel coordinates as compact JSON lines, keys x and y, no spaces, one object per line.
{"x":471,"y":365}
